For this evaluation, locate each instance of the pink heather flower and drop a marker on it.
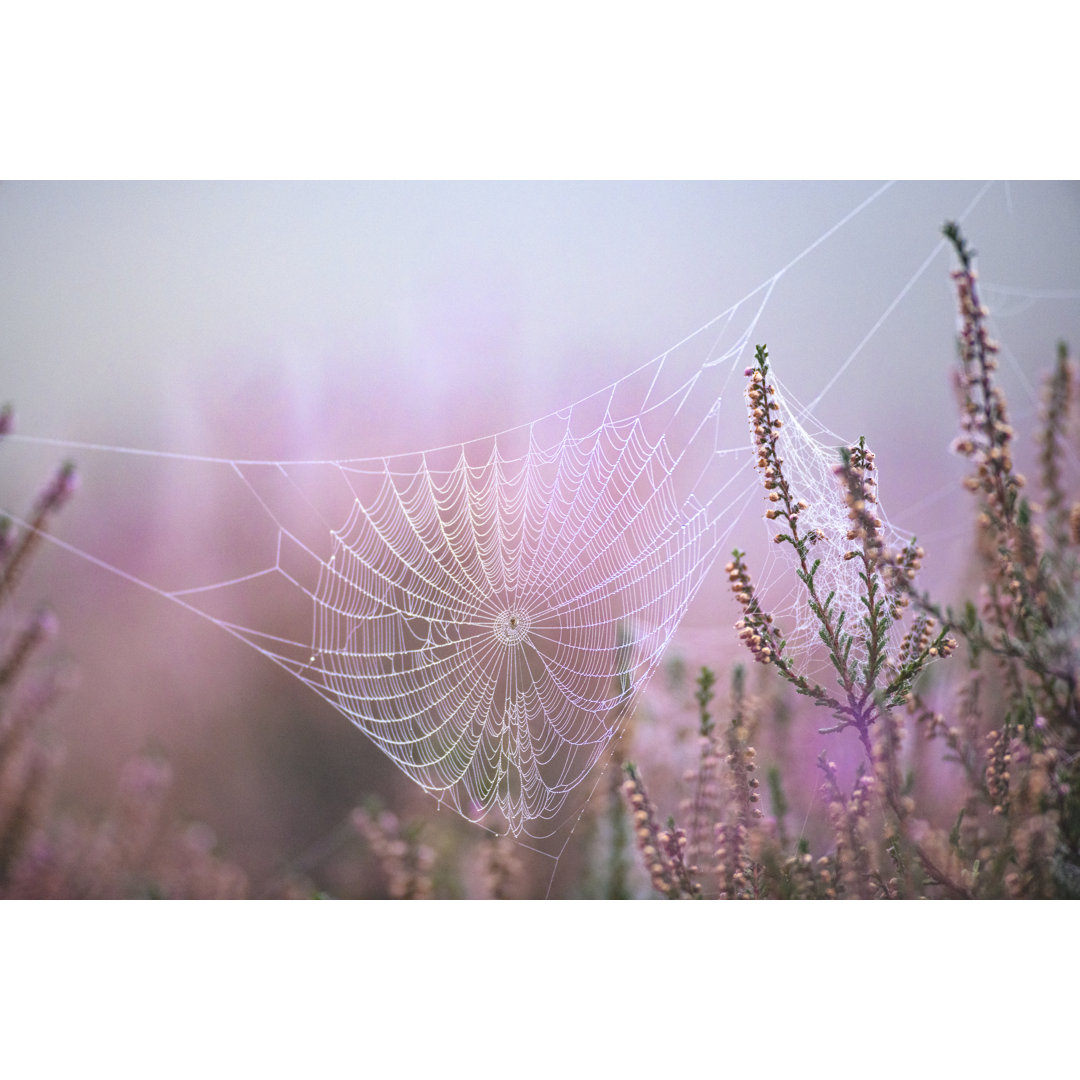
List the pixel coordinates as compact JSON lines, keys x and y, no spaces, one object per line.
{"x":62,"y":486}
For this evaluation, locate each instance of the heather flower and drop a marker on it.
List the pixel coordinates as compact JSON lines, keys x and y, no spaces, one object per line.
{"x":15,"y":553}
{"x":405,"y":862}
{"x":663,"y":850}
{"x":134,"y":852}
{"x":870,"y":678}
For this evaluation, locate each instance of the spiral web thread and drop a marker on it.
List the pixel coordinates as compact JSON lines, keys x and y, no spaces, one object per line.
{"x":487,"y":614}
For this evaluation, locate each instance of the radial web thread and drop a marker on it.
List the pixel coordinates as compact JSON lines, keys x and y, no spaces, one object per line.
{"x":487,"y":614}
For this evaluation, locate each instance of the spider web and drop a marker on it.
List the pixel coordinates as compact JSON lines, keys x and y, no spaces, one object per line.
{"x":490,"y":613}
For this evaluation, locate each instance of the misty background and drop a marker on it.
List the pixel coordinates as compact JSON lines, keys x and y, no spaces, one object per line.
{"x":340,"y":320}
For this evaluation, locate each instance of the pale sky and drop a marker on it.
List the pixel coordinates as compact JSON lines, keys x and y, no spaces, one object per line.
{"x":129,"y":307}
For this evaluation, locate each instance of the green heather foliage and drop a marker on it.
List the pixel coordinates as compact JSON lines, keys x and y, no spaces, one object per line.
{"x":1011,"y":729}
{"x":980,"y":700}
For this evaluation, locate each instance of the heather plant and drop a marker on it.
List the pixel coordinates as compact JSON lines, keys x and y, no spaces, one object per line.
{"x":1012,"y":734}
{"x":404,"y":860}
{"x":966,"y":779}
{"x":27,"y":691}
{"x":138,"y":849}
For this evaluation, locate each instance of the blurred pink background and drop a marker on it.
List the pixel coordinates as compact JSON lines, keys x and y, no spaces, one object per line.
{"x":290,"y":321}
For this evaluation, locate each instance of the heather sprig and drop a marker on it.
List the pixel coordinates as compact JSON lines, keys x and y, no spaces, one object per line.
{"x":849,"y":816}
{"x":663,"y":850}
{"x":872,"y":679}
{"x":869,"y":680}
{"x":134,"y":850}
{"x":705,"y":806}
{"x":35,"y":631}
{"x":27,"y":763}
{"x":406,"y":862}
{"x":1059,"y":402}
{"x":731,"y":850}
{"x":1015,"y":728}
{"x":1023,"y":706}
{"x":15,"y":552}
{"x":1028,"y":616}
{"x":734,"y":867}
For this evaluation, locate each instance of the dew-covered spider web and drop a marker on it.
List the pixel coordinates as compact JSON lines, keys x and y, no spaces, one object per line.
{"x":489,"y":614}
